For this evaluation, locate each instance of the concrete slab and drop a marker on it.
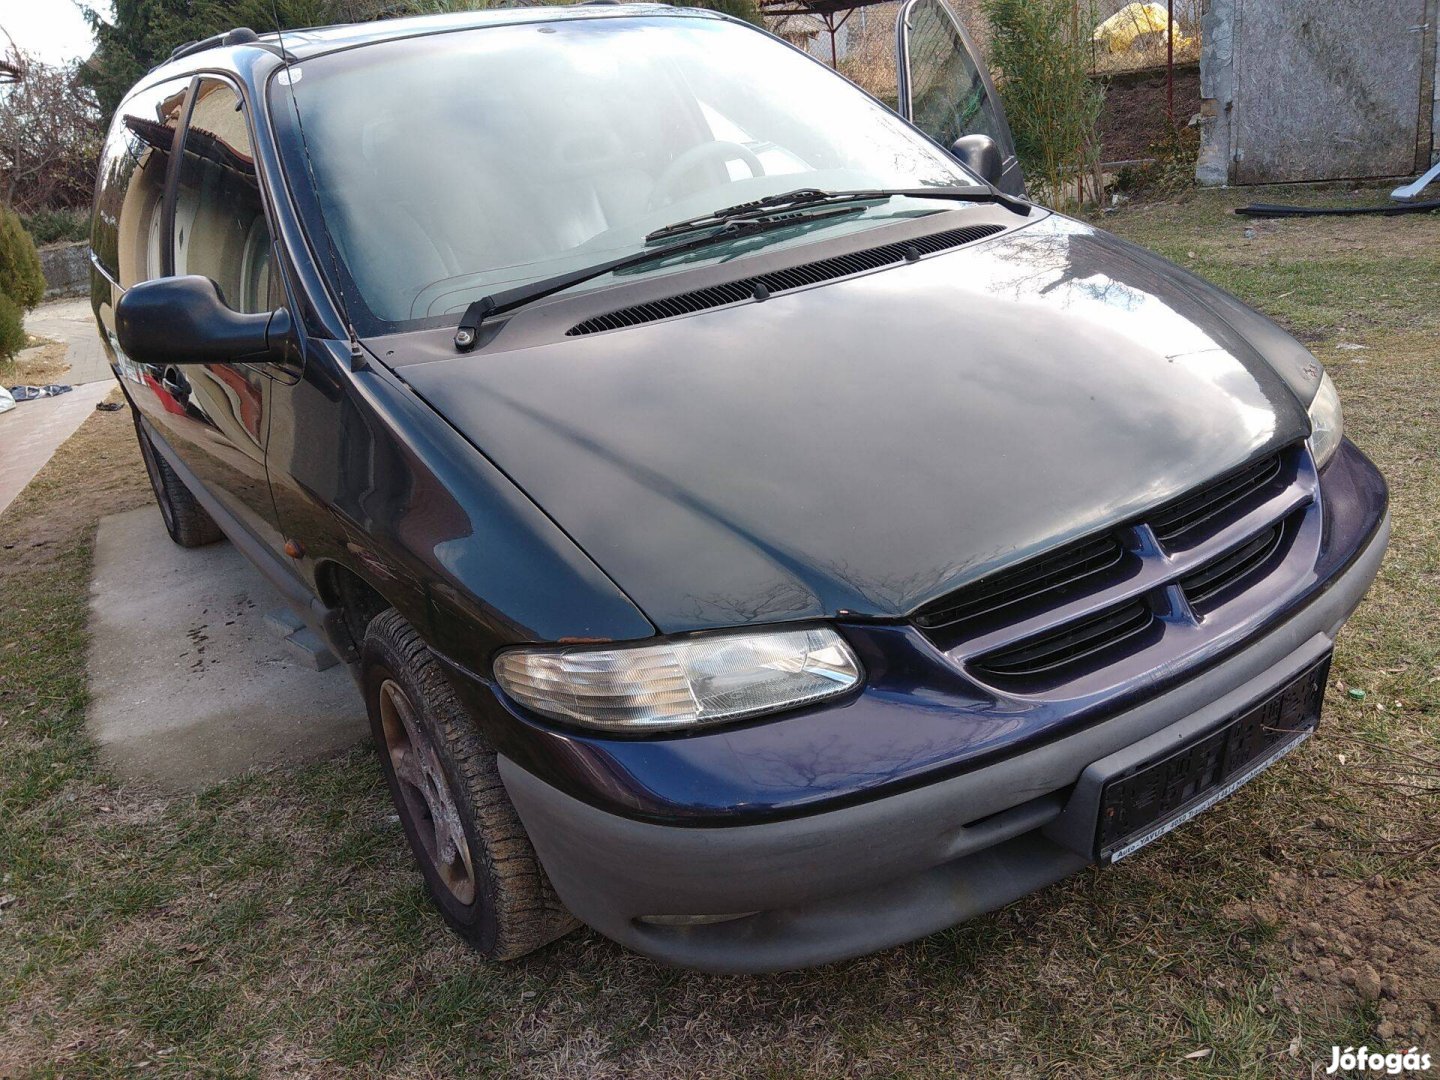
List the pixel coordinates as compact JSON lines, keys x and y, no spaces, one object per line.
{"x":73,"y":322}
{"x":32,"y":431}
{"x":189,"y":685}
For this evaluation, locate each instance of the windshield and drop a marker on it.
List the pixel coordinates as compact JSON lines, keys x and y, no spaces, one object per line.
{"x":452,"y":165}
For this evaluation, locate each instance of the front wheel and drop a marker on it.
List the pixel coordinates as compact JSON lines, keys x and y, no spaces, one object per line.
{"x":479,"y":867}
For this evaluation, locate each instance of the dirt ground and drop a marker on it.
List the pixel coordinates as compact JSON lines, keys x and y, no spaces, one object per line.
{"x":98,"y":472}
{"x":1135,"y":117}
{"x":1363,"y":943}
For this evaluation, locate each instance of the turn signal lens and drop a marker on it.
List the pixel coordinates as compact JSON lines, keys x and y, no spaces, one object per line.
{"x":1327,"y":425}
{"x":680,"y":683}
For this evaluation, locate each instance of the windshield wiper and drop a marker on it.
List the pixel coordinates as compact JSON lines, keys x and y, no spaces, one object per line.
{"x":806,"y":197}
{"x":468,"y":332}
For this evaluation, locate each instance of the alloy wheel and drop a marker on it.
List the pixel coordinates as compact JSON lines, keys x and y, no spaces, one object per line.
{"x":426,"y":792}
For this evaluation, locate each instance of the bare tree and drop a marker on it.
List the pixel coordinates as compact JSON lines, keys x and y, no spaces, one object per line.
{"x":12,"y":65}
{"x":50,"y":135}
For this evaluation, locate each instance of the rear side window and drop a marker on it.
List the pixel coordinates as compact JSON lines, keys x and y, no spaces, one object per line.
{"x":126,"y":232}
{"x":220,"y":227}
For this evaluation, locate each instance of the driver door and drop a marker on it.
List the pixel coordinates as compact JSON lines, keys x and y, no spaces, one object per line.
{"x":215,"y":416}
{"x":944,"y":84}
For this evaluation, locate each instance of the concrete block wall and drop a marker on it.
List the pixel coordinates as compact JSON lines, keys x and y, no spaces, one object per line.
{"x":1217,"y":92}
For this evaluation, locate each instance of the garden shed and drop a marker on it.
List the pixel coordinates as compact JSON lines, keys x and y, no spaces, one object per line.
{"x":1293,"y":90}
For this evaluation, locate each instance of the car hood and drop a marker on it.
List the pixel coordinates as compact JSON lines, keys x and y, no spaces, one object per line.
{"x":868,"y":445}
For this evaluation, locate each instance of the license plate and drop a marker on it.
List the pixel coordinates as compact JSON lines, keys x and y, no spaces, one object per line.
{"x":1164,"y":793}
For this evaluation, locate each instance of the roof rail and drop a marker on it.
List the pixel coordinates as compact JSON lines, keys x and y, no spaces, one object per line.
{"x":241,"y":35}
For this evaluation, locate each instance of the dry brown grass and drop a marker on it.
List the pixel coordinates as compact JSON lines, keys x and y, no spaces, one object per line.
{"x":42,"y":362}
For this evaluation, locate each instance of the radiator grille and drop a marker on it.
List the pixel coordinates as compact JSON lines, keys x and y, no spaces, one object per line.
{"x":1232,"y":568}
{"x":1069,"y":644}
{"x":1068,"y":587}
{"x":1047,"y":577}
{"x":1193,"y":510}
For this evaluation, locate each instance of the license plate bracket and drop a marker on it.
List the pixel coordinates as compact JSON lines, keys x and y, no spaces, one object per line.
{"x":1158,"y":795}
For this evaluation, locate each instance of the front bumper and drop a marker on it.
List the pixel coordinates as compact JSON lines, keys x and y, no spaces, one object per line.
{"x":845,"y":882}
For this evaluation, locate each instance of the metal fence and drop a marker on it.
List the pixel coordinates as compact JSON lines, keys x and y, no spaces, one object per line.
{"x":864,"y":46}
{"x":1128,"y":36}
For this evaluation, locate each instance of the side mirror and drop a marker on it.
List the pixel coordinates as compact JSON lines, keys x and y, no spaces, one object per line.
{"x":981,"y":155}
{"x":185,"y":320}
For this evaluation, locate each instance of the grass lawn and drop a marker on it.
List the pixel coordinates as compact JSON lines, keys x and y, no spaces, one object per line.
{"x":274,"y":926}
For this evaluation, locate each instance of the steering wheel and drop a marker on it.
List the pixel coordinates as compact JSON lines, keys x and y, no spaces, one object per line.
{"x":682,"y":166}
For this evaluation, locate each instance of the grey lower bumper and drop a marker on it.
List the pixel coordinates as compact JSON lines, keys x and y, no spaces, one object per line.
{"x":847,"y":882}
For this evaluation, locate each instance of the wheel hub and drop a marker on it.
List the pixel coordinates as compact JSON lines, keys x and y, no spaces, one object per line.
{"x":426,"y":791}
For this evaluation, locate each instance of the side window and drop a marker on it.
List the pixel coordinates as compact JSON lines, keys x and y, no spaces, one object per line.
{"x":220,"y":227}
{"x":126,"y":228}
{"x":948,"y":95}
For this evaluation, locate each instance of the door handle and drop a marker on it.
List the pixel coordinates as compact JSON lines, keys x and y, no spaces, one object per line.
{"x":175,"y":383}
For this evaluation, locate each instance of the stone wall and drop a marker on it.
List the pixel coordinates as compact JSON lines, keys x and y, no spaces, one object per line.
{"x":67,"y":269}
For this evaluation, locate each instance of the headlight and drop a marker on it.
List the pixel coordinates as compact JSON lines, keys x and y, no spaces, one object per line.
{"x":681,"y":683}
{"x":1327,"y":426}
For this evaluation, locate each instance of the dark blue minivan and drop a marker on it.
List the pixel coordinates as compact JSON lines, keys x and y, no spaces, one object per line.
{"x":757,"y":530}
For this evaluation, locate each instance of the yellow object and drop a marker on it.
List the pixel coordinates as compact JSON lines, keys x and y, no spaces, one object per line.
{"x":1119,"y":31}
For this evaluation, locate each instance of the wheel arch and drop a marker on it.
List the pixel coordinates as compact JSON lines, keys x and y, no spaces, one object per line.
{"x":356,"y":600}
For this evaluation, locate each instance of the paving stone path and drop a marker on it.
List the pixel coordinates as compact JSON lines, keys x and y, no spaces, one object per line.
{"x":31,"y":432}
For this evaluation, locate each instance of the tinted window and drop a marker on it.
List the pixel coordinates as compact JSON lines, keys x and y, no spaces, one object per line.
{"x":126,"y":230}
{"x":947,"y":92}
{"x":504,"y":154}
{"x":220,"y":227}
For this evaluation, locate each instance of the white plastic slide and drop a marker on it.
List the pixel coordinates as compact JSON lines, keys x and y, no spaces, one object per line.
{"x":1410,"y":192}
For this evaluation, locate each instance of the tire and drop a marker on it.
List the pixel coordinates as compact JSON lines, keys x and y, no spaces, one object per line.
{"x":478,"y":865}
{"x":187,"y":522}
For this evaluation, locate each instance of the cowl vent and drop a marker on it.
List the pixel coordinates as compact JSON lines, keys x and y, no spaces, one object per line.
{"x":794,"y":277}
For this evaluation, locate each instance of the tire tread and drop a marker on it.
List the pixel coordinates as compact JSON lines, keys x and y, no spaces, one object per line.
{"x":527,"y":912}
{"x":188,"y":523}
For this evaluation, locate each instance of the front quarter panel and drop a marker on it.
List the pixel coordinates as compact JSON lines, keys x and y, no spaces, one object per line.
{"x":368,"y":478}
{"x":1291,"y":360}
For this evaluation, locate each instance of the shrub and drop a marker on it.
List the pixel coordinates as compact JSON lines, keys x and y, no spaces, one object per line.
{"x":1171,"y":168}
{"x":1042,"y":51}
{"x":12,"y":328}
{"x":55,"y":226}
{"x":21,"y":278}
